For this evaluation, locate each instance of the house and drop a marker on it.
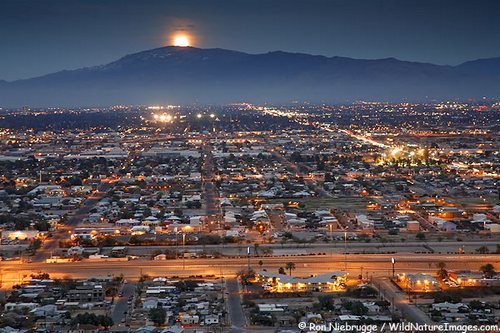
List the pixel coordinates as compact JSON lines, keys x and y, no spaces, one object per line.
{"x":189,"y":319}
{"x":413,"y":226}
{"x":9,"y":329}
{"x":372,"y":307}
{"x":127,"y":222}
{"x":173,"y":329}
{"x":419,"y":282}
{"x":83,"y":294}
{"x":211,"y":319}
{"x":20,"y":306}
{"x":150,"y":303}
{"x":20,"y":234}
{"x":44,"y":311}
{"x":285,"y":283}
{"x":47,"y":202}
{"x":449,"y":307}
{"x":364,"y":221}
{"x":465,"y":279}
{"x":446,"y":226}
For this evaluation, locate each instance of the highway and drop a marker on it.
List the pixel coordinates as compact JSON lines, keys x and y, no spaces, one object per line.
{"x":370,"y":265}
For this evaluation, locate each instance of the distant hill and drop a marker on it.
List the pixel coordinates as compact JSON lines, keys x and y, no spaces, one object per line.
{"x":192,"y":75}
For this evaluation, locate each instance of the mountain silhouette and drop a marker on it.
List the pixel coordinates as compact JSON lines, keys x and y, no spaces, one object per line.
{"x":178,"y":75}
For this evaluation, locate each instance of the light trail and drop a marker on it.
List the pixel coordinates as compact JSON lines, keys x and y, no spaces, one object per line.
{"x":401,"y":149}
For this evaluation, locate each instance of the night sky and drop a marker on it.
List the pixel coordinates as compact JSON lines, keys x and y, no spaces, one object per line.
{"x":41,"y":36}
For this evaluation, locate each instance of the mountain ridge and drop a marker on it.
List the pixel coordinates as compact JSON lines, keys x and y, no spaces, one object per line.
{"x":187,"y":74}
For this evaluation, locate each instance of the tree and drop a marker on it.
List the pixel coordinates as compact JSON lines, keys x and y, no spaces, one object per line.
{"x":108,"y":241}
{"x":442,"y":273}
{"x":36,"y":244}
{"x":261,"y":263}
{"x":193,"y":205}
{"x":40,"y":275}
{"x":93,"y":319}
{"x":266,"y":251}
{"x":356,"y":307}
{"x":157,"y":316}
{"x":256,"y":249}
{"x":186,"y":285}
{"x":281,"y":270}
{"x":245,"y":276}
{"x":420,"y":236}
{"x":483,"y":250}
{"x":290,"y":266}
{"x":444,"y":296}
{"x":488,"y":270}
{"x":147,"y":212}
{"x":326,"y":302}
{"x":476,"y":305}
{"x":42,"y":226}
{"x":134,"y":240}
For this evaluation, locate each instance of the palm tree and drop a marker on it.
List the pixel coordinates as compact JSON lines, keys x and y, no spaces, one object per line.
{"x":290,"y":266}
{"x":256,"y":249}
{"x":266,"y":251}
{"x":442,"y":273}
{"x":488,"y":270}
{"x":281,"y":270}
{"x":483,"y":250}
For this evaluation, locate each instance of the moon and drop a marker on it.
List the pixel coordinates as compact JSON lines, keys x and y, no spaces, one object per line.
{"x":181,"y":41}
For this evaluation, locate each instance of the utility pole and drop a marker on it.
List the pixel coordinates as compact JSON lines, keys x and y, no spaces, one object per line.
{"x":184,"y":251}
{"x":248,"y":254}
{"x":345,"y":251}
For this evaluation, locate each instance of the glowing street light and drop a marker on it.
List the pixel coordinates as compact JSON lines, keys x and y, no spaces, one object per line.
{"x":393,"y":261}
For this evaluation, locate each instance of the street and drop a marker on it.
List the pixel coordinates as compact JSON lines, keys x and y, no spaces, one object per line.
{"x":236,"y":315}
{"x":370,"y":264}
{"x":121,"y":307}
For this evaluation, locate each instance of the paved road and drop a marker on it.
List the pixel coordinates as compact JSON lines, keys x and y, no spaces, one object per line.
{"x":121,"y":306}
{"x":236,"y":314}
{"x":370,"y":264}
{"x":390,"y":292}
